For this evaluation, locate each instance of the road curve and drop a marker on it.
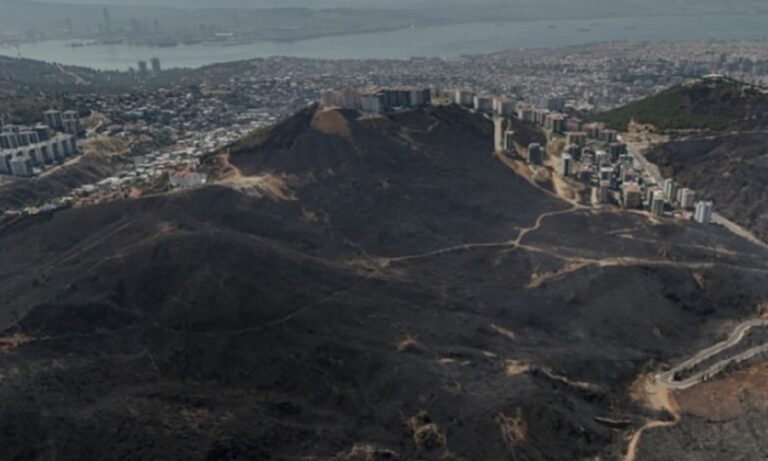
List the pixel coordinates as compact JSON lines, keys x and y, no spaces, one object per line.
{"x":667,"y":379}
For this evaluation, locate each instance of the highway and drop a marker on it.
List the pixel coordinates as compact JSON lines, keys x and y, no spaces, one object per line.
{"x":668,"y":380}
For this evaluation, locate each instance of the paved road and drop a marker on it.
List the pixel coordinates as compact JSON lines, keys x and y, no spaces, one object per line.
{"x":636,"y":150}
{"x":668,"y":380}
{"x":717,"y":218}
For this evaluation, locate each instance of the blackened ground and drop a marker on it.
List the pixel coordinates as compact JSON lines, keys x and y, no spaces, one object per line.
{"x":24,"y":192}
{"x":729,"y":169}
{"x":383,"y":311}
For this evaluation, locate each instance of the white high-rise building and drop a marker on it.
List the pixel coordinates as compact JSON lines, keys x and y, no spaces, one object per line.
{"x":670,"y":189}
{"x":373,"y":102}
{"x":566,"y":165}
{"x":687,"y":198}
{"x":53,"y":119}
{"x":21,"y":165}
{"x":71,"y":122}
{"x":504,"y":106}
{"x":631,"y":195}
{"x":483,"y":103}
{"x":499,"y":135}
{"x":703,"y":212}
{"x":464,"y":98}
{"x":657,"y":203}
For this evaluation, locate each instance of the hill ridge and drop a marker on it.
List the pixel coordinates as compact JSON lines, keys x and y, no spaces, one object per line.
{"x":711,"y":103}
{"x":415,"y":298}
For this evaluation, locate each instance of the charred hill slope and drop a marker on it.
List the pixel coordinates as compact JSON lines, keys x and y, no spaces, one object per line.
{"x":88,"y":169}
{"x":352,"y":288}
{"x":730,"y":169}
{"x":399,"y":184}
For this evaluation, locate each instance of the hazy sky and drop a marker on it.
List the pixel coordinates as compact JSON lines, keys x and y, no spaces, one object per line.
{"x":278,"y":3}
{"x":546,"y":5}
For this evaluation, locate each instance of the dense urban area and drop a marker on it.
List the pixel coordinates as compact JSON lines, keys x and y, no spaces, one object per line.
{"x":158,"y":130}
{"x":590,"y":153}
{"x":589,"y":78}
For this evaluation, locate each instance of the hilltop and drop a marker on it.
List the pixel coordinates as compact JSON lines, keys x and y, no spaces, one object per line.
{"x":353,"y":287}
{"x":28,"y":78}
{"x":711,"y":104}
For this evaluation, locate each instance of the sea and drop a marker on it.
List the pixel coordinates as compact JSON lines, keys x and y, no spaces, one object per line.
{"x":434,"y":41}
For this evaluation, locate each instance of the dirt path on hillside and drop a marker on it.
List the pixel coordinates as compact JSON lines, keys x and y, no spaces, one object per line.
{"x":507,"y":244}
{"x":659,"y":398}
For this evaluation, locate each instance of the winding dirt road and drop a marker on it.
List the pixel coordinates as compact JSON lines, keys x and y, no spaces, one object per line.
{"x":665,"y":383}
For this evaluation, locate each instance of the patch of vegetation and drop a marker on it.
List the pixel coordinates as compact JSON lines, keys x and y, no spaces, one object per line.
{"x":710,"y":105}
{"x":26,"y":110}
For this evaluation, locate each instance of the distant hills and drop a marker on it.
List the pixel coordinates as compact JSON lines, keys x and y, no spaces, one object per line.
{"x":21,"y":79}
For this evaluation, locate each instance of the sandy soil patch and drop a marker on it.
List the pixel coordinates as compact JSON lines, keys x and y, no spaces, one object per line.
{"x":727,"y":398}
{"x":9,"y":343}
{"x":650,"y":394}
{"x":331,"y":122}
{"x":268,"y":186}
{"x":516,"y":367}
